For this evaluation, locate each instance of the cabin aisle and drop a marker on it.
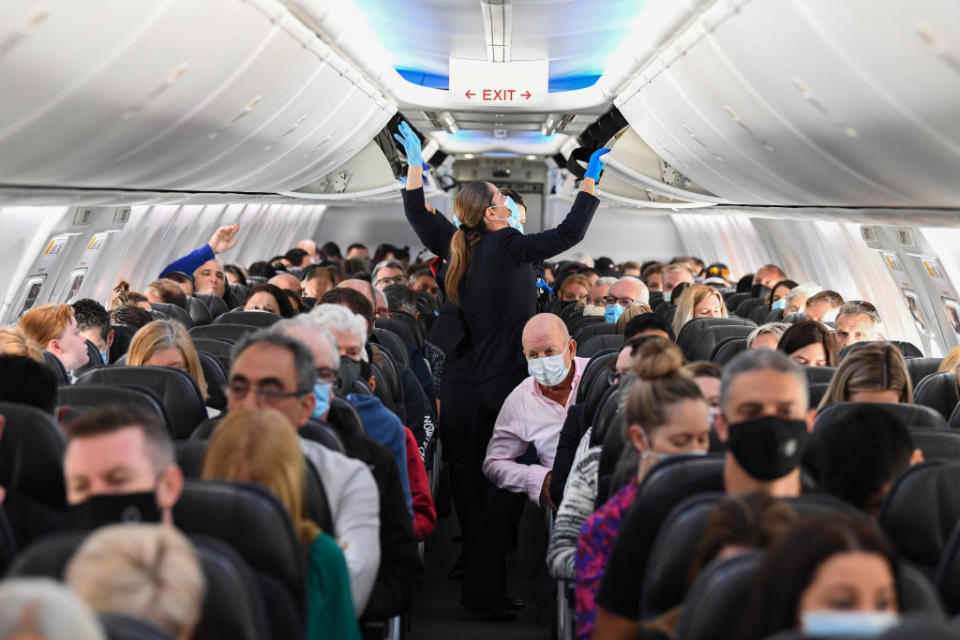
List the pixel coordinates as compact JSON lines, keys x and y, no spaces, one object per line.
{"x":437,"y":614}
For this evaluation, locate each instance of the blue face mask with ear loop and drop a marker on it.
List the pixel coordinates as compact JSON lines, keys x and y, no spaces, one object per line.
{"x":105,"y":356}
{"x":321,"y":393}
{"x":613,"y":313}
{"x":779,"y":304}
{"x":514,"y":219}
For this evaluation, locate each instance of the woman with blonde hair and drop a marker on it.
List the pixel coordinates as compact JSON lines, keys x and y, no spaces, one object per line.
{"x":165,"y":343}
{"x":874,"y":372}
{"x":631,"y":312}
{"x":14,"y":342}
{"x":260,"y":445}
{"x":574,"y":289}
{"x":698,"y":301}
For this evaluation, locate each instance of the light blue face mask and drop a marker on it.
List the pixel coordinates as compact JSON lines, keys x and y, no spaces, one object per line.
{"x":105,"y":356}
{"x":779,"y":304}
{"x":667,"y":295}
{"x":321,"y":392}
{"x":855,"y":624}
{"x":613,"y":313}
{"x":514,"y":219}
{"x":549,"y":371}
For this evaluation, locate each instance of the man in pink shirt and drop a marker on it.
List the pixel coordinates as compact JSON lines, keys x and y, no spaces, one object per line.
{"x":533,"y":414}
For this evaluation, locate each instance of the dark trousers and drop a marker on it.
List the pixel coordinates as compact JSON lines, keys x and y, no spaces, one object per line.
{"x":494,"y":512}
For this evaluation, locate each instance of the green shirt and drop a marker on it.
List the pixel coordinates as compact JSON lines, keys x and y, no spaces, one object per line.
{"x":329,"y":603}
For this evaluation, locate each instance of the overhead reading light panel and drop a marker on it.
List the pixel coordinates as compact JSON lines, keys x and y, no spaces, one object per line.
{"x":497,"y":29}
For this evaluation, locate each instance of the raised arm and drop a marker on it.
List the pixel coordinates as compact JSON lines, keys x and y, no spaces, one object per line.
{"x":434,"y":231}
{"x":537,"y":247}
{"x":221,"y":240}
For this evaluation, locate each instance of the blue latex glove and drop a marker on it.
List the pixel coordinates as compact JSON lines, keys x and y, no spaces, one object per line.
{"x":411,"y":145}
{"x":596,"y":164}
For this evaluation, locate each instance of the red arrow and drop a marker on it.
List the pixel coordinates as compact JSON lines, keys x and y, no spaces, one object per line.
{"x":526,"y":95}
{"x":470,"y":94}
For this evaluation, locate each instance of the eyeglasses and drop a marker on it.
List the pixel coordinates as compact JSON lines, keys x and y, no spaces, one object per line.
{"x":386,"y":282}
{"x":623,"y":302}
{"x":267,"y":396}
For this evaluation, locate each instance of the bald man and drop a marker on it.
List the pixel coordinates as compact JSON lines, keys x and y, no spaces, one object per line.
{"x":286,"y":281}
{"x":623,"y":293}
{"x":310,"y":247}
{"x":533,"y":414}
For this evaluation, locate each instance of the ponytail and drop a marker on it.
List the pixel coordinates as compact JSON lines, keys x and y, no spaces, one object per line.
{"x":459,"y":265}
{"x":471,"y":203}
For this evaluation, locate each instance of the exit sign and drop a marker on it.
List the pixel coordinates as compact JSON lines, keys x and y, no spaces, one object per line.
{"x":478,"y":83}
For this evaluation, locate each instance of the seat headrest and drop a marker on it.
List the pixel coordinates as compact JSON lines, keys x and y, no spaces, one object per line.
{"x":343,"y":417}
{"x":258,"y":319}
{"x":190,"y":455}
{"x":816,"y":391}
{"x":726,"y":349}
{"x":250,"y":519}
{"x":718,"y":596}
{"x":692,"y":328}
{"x":199,"y":311}
{"x":912,"y":415}
{"x":921,"y":509}
{"x":677,"y":477}
{"x":705,"y":340}
{"x":216,"y":304}
{"x":602,"y":418}
{"x":819,"y":375}
{"x":393,"y":344}
{"x":122,"y":336}
{"x":920,"y":368}
{"x":173,"y":312}
{"x":398,"y":328}
{"x":596,"y":329}
{"x":939,"y":392}
{"x":176,"y":389}
{"x":90,"y":395}
{"x":598,"y":343}
{"x":31,"y":454}
{"x":937,"y":444}
{"x":228,"y":332}
{"x":323,"y":433}
{"x":94,"y":359}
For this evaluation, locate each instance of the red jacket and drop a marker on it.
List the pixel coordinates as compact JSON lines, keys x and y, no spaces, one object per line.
{"x":424,"y":513}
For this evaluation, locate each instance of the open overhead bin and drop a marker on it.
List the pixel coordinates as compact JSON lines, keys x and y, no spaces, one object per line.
{"x":219,"y":95}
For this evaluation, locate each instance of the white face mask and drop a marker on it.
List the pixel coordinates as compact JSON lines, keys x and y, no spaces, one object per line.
{"x":549,"y":371}
{"x":594,"y":310}
{"x":667,"y":295}
{"x":831,"y":316}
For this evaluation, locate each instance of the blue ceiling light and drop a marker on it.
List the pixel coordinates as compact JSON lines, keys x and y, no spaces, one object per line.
{"x":474,"y":135}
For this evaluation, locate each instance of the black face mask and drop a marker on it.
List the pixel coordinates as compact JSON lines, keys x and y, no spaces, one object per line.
{"x":769,"y":447}
{"x":349,"y":372}
{"x":99,"y":511}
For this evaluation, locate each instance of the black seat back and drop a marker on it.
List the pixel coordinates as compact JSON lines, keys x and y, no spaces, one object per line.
{"x":122,"y":337}
{"x":579,"y":322}
{"x":397,"y":327}
{"x":671,"y":559}
{"x":690,"y":331}
{"x":386,"y":366}
{"x":250,"y":519}
{"x":816,"y":392}
{"x":31,"y":454}
{"x":322,"y":433}
{"x":216,"y":378}
{"x":726,"y":349}
{"x":908,"y":349}
{"x":80,"y":398}
{"x":746,"y":307}
{"x":174,"y":312}
{"x":596,"y":329}
{"x":215,"y":304}
{"x":819,"y":375}
{"x":948,"y":573}
{"x":921,"y":509}
{"x":775,"y":315}
{"x":53,"y":363}
{"x":914,"y":416}
{"x":259,"y":319}
{"x":705,"y":340}
{"x":937,"y":444}
{"x":598,"y":366}
{"x":232,"y":607}
{"x":219,"y":349}
{"x":228,"y":332}
{"x":733,"y":301}
{"x":176,"y":389}
{"x":393,"y":343}
{"x":718,"y":597}
{"x":939,"y":392}
{"x":345,"y":420}
{"x":199,"y":312}
{"x":596,"y":344}
{"x":920,"y":368}
{"x":758,"y":313}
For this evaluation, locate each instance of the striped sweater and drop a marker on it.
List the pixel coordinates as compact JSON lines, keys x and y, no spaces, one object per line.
{"x":577,"y":505}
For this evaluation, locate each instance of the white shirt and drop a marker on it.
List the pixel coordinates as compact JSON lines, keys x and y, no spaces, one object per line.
{"x":527,"y":417}
{"x":355,"y":508}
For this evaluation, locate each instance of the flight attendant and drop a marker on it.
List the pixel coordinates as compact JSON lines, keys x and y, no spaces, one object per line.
{"x":490,"y":275}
